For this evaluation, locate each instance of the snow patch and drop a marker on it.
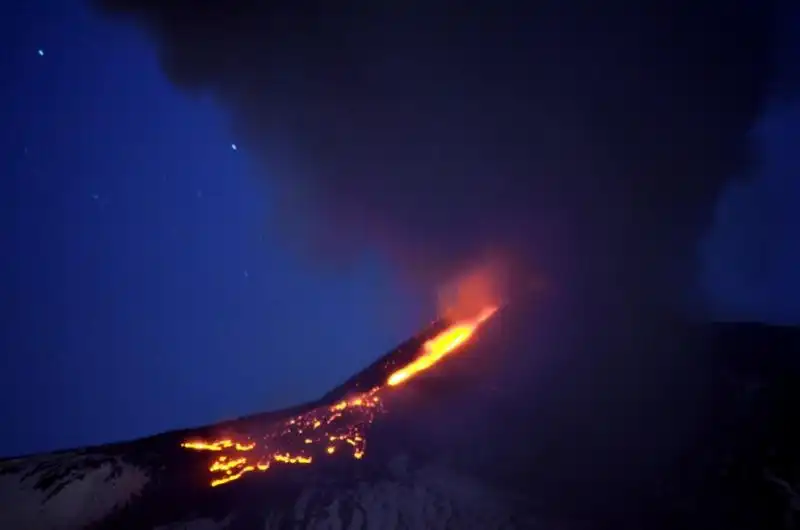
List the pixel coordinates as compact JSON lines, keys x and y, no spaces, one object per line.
{"x":65,"y":491}
{"x":432,"y":497}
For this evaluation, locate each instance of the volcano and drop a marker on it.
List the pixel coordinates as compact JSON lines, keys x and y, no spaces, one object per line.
{"x":494,"y":422}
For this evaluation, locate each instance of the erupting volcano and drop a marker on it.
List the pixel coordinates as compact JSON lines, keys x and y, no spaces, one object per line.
{"x":327,"y":430}
{"x":432,"y":461}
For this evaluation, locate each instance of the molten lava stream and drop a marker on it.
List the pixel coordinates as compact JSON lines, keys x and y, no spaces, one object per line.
{"x":442,"y":344}
{"x":326,"y":430}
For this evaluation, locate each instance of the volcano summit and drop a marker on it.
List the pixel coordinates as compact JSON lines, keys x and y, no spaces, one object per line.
{"x":695,"y":431}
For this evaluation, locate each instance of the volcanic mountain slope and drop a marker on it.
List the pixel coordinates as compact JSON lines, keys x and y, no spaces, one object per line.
{"x":697,"y":431}
{"x":161,"y":482}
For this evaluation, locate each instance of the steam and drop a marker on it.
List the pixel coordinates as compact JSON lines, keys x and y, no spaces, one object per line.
{"x":586,"y":145}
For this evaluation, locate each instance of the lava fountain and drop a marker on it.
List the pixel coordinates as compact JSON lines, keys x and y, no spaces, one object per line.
{"x":327,"y":430}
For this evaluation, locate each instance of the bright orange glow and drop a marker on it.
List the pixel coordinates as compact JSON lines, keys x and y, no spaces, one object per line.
{"x":442,"y":344}
{"x":327,"y":430}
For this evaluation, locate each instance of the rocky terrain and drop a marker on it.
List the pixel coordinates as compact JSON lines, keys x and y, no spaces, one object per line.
{"x":700,"y":433}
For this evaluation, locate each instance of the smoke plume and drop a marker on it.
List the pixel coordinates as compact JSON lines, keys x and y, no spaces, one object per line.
{"x":585,"y":140}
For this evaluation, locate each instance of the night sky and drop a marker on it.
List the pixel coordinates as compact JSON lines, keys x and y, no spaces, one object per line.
{"x":146,"y":289}
{"x":148,"y":282}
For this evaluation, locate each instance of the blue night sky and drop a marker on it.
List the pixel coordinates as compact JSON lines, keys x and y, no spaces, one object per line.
{"x":147,"y":290}
{"x":143,"y":289}
{"x":751,"y":256}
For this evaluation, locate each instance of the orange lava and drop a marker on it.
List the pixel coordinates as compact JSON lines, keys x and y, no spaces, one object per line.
{"x":326,"y":430}
{"x":442,"y":344}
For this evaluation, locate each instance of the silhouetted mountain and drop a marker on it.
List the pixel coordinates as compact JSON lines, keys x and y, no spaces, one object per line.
{"x":678,"y":426}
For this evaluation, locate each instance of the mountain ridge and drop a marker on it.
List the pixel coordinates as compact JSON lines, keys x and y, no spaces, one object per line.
{"x":504,"y":464}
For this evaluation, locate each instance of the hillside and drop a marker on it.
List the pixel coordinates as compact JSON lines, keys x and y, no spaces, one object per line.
{"x":694,"y":431}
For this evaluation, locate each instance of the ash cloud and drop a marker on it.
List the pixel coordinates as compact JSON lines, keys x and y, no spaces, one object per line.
{"x":588,"y":140}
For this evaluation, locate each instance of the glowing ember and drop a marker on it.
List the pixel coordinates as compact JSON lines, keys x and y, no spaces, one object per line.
{"x":326,"y":430}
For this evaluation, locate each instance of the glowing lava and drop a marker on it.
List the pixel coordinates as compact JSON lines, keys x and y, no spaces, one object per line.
{"x":326,"y":430}
{"x":298,"y":440}
{"x":436,"y":348}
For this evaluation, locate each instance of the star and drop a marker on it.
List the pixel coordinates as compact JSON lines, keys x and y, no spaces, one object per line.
{"x":40,"y":52}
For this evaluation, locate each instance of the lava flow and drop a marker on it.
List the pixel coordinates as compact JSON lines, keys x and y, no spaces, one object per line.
{"x":326,"y":430}
{"x":439,"y":346}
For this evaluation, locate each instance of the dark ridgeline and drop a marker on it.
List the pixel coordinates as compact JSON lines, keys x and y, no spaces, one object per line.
{"x":710,"y":442}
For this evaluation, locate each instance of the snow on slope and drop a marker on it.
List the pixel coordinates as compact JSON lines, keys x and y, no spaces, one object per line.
{"x":65,"y":490}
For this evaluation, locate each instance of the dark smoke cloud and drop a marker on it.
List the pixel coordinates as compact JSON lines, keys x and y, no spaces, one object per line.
{"x":587,"y":139}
